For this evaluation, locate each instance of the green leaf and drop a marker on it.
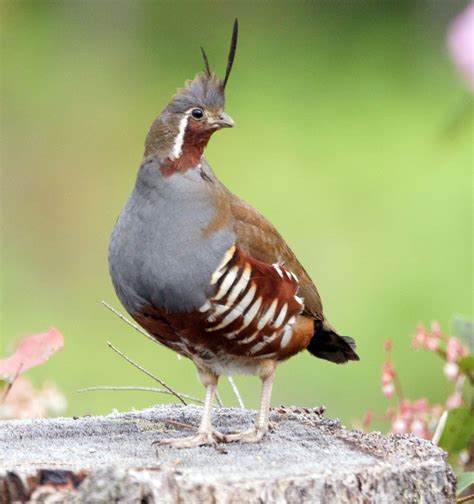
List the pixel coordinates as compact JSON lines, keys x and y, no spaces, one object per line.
{"x":467,"y":364}
{"x":4,"y":384}
{"x":458,"y":430}
{"x":464,"y":480}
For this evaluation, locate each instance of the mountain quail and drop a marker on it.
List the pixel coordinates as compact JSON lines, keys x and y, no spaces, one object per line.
{"x":206,"y":274}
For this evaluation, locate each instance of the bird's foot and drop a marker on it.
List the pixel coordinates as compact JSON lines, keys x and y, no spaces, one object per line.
{"x":199,"y":439}
{"x":253,"y":435}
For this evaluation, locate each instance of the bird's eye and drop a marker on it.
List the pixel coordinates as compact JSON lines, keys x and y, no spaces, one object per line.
{"x":197,"y":113}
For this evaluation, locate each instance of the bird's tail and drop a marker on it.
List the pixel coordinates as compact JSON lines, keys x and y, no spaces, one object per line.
{"x":327,"y":344}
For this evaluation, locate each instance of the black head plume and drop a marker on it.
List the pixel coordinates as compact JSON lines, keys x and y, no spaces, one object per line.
{"x":206,"y":62}
{"x":233,"y":46}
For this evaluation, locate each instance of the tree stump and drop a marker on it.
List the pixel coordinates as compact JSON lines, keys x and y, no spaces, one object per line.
{"x":305,"y":458}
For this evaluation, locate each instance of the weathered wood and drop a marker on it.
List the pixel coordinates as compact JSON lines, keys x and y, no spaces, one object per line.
{"x":306,"y":458}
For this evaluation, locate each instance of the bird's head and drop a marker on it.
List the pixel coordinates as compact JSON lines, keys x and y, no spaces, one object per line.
{"x":182,"y":130}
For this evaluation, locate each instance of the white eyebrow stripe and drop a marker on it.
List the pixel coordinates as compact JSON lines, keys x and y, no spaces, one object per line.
{"x":240,"y":286}
{"x":226,"y":284}
{"x":281,"y":316}
{"x":268,"y":315}
{"x":178,"y":141}
{"x":220,"y":270}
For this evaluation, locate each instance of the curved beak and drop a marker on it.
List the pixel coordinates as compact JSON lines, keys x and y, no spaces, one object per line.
{"x":223,"y":120}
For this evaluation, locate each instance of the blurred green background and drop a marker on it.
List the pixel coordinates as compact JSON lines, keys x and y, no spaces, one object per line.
{"x":354,"y":137}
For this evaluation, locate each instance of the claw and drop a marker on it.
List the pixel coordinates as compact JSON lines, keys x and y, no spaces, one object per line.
{"x":249,"y":436}
{"x":199,"y":439}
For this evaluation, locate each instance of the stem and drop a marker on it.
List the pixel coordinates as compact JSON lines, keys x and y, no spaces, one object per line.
{"x":129,"y":322}
{"x":141,"y":389}
{"x":143,"y":370}
{"x":466,"y":498}
{"x":236,"y":392}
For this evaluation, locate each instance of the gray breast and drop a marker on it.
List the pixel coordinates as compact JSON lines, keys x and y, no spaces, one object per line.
{"x":158,"y":253}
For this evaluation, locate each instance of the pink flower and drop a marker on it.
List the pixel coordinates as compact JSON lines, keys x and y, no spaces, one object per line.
{"x":388,"y":389}
{"x":367,"y":420}
{"x":455,"y":350}
{"x":419,"y":428}
{"x":419,"y":338}
{"x":461,"y":43}
{"x":420,"y":406}
{"x":451,"y":370}
{"x":455,"y":400}
{"x":399,"y":426}
{"x":388,"y":373}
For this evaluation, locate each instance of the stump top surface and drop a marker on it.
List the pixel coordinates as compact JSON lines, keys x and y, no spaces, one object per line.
{"x":302,"y":441}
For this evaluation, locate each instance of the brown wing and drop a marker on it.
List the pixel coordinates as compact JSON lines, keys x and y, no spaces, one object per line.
{"x":259,"y":238}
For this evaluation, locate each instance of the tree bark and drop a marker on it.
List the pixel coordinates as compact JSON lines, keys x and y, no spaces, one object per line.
{"x":305,"y":458}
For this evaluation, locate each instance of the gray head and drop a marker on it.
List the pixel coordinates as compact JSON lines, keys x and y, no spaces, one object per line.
{"x":194,"y":113}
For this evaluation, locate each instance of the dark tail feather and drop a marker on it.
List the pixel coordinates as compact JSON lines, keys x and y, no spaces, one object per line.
{"x":327,"y":344}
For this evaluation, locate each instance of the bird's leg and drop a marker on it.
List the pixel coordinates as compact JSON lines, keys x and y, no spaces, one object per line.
{"x":205,"y":434}
{"x":267,"y":375}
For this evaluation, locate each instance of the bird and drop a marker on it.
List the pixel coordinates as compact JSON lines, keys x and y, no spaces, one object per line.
{"x":206,"y":274}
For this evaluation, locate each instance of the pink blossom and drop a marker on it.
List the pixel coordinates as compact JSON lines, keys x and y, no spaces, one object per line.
{"x":451,"y":370}
{"x":455,"y":400}
{"x":388,"y":389}
{"x":368,"y":418}
{"x":436,"y":329}
{"x":460,"y":41}
{"x":455,"y":350}
{"x":399,"y":426}
{"x":31,"y":351}
{"x":419,"y":338}
{"x":24,"y":401}
{"x":388,"y":345}
{"x":419,"y":428}
{"x":420,"y":406}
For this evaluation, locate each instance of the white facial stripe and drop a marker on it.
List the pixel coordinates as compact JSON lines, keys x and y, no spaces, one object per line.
{"x":281,"y":316}
{"x":226,"y":284}
{"x":268,"y":315}
{"x":178,"y":141}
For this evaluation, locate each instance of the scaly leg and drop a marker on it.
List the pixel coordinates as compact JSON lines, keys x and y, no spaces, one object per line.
{"x":205,"y":434}
{"x":261,"y":425}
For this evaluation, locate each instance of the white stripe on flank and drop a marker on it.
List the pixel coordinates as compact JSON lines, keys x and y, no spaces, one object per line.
{"x":268,"y":315}
{"x":278,"y":269}
{"x":244,"y":303}
{"x":205,"y":307}
{"x":299,"y":300}
{"x":287,"y":334}
{"x":228,"y":319}
{"x":178,"y":141}
{"x":220,"y":270}
{"x":226,"y":284}
{"x":295,"y":277}
{"x":252,"y":313}
{"x":249,"y":339}
{"x":281,"y":316}
{"x":218,"y":310}
{"x":240,"y":286}
{"x":266,"y":341}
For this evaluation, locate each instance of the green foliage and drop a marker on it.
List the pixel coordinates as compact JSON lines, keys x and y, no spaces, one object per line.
{"x":459,"y":429}
{"x":465,"y":480}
